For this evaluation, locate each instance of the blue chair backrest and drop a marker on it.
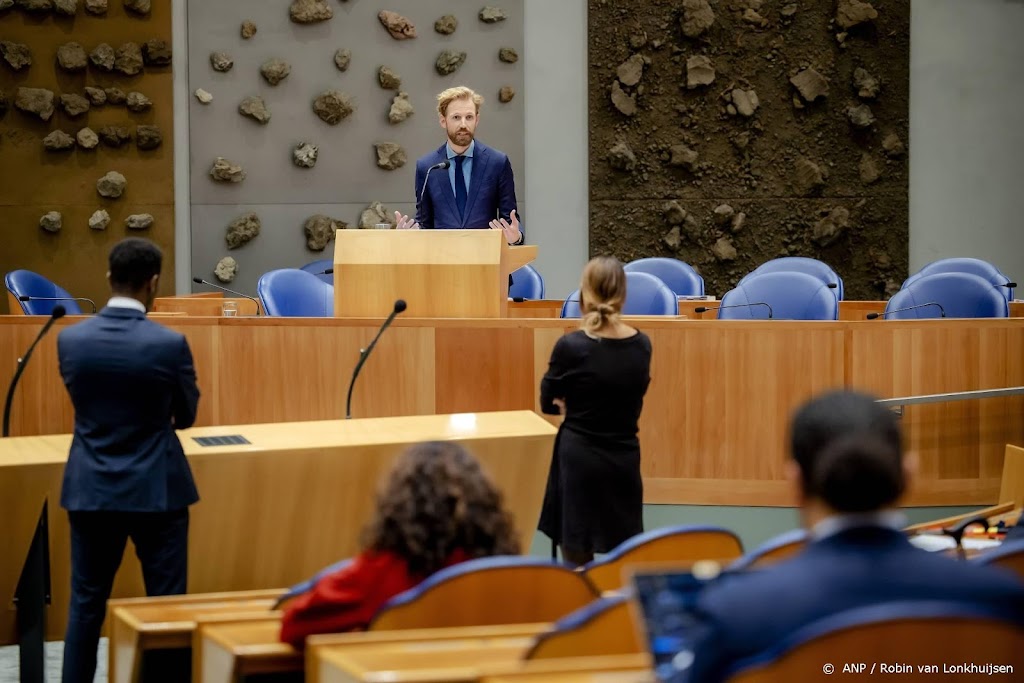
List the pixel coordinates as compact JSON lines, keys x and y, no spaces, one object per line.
{"x":783,"y":544}
{"x":27,"y":283}
{"x":679,"y":276}
{"x":527,"y":283}
{"x":307,"y":585}
{"x":295,"y":293}
{"x":790,"y":295}
{"x":645,"y":295}
{"x":961,"y":295}
{"x":974,"y":266}
{"x":318,"y":267}
{"x":802,"y":264}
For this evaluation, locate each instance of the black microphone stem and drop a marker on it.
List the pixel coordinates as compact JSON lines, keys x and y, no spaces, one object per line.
{"x":365,"y":353}
{"x":22,"y":363}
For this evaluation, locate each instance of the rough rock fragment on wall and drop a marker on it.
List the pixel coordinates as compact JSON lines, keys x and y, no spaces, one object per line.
{"x":38,"y":101}
{"x":333,"y":106}
{"x":305,"y":154}
{"x":449,"y":61}
{"x":112,"y":185}
{"x":390,"y":155}
{"x":226,"y":269}
{"x":310,"y":11}
{"x":226,"y":172}
{"x":446,"y":25}
{"x":242,"y":230}
{"x":401,"y":108}
{"x":51,"y":221}
{"x":398,"y":27}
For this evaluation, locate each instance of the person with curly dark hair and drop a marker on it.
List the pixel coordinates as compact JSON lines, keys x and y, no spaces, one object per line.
{"x":437,"y":508}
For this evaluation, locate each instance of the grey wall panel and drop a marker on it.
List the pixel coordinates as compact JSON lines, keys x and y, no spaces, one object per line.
{"x":281,"y":243}
{"x":346,"y":171}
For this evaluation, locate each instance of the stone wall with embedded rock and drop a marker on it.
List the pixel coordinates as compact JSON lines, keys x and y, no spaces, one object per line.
{"x":729,"y":132}
{"x":88,"y":91}
{"x":324,"y":106}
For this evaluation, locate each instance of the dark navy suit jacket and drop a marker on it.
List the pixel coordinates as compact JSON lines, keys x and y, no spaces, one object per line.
{"x":492,"y":191}
{"x":745,"y":614}
{"x":132,"y":383}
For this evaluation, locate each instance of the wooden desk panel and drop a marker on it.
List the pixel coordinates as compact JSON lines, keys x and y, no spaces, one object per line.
{"x":714,"y":421}
{"x":273,"y":512}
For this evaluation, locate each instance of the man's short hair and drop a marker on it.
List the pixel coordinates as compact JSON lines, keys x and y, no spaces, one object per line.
{"x":849,"y":450}
{"x":133,"y":262}
{"x":459,"y":92}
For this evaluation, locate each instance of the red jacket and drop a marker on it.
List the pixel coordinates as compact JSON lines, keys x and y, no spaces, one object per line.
{"x":347,"y":599}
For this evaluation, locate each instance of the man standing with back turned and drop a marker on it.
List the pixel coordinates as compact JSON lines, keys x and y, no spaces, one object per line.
{"x":132,"y":383}
{"x":477,"y":189}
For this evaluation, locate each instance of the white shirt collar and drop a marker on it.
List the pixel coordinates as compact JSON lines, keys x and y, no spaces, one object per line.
{"x":126,"y":302}
{"x":468,"y":153}
{"x":830,"y":526}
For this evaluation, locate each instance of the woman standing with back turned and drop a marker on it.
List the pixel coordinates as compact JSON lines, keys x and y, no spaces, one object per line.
{"x":597,"y":378}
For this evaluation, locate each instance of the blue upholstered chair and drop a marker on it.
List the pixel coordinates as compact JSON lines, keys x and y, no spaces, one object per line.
{"x":490,"y":590}
{"x":958,"y":295}
{"x":527,"y":283}
{"x":295,"y":293}
{"x":645,"y":295}
{"x":788,"y":295}
{"x":909,"y":632}
{"x":974,"y":266}
{"x":318,"y":267}
{"x":26,"y":283}
{"x":686,"y":543}
{"x":604,"y":627}
{"x":777,"y":548}
{"x":679,"y":276}
{"x":802,"y":264}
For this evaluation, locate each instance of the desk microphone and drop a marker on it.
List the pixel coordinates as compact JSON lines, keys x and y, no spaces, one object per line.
{"x":872,"y":316}
{"x":436,"y":167}
{"x":57,"y":313}
{"x":329,"y":271}
{"x":705,"y":309}
{"x":59,"y":298}
{"x":201,"y":281}
{"x":365,"y":353}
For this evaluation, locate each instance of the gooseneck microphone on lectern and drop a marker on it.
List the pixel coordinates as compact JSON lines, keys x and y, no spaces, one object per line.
{"x":59,"y":298}
{"x":436,"y":167}
{"x":942,"y":311}
{"x":329,"y":271}
{"x":201,"y":281}
{"x":57,"y":314}
{"x":705,"y":309}
{"x":365,"y":353}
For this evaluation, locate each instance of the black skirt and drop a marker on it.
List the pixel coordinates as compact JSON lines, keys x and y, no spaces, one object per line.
{"x":594,"y":496}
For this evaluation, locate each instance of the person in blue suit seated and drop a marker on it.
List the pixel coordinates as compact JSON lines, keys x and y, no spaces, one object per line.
{"x":132,"y":384}
{"x":849,"y":472}
{"x":477,"y":189}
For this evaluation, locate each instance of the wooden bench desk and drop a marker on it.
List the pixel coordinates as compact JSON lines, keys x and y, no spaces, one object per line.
{"x":466,"y":666}
{"x":136,"y":625}
{"x":224,"y":650}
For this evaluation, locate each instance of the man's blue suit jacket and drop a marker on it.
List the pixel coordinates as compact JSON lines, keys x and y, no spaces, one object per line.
{"x":132,"y":383}
{"x":492,"y":191}
{"x":745,"y":614}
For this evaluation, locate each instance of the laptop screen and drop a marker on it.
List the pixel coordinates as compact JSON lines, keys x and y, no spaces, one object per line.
{"x":667,"y":602}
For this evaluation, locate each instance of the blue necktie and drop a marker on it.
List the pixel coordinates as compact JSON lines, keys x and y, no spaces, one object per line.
{"x":460,"y":186}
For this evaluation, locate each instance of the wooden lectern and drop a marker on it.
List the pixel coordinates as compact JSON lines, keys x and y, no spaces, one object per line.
{"x":439,"y":273}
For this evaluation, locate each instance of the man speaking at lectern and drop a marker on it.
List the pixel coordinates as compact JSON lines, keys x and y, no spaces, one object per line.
{"x":468,"y":184}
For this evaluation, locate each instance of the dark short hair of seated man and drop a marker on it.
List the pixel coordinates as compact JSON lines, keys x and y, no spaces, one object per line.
{"x":437,"y":500}
{"x":849,"y":453}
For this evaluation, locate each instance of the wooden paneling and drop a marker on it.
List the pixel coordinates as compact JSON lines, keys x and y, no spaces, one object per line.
{"x":484,"y":369}
{"x":713,"y":428}
{"x":304,"y":490}
{"x":34,"y":181}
